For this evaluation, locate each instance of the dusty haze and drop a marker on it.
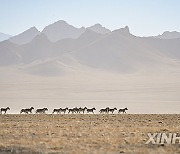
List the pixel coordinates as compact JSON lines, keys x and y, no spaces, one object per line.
{"x":65,"y":66}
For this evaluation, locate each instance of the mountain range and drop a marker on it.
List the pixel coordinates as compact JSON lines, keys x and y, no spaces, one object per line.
{"x":25,"y":37}
{"x":62,"y":48}
{"x":169,"y":35}
{"x":4,"y":36}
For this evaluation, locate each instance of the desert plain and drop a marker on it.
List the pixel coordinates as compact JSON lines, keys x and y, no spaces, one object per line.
{"x":152,"y":99}
{"x":86,"y":133}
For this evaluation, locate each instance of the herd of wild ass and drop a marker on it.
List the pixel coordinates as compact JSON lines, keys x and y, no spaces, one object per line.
{"x":75,"y":110}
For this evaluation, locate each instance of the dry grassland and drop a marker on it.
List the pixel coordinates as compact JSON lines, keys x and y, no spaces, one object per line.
{"x":85,"y":133}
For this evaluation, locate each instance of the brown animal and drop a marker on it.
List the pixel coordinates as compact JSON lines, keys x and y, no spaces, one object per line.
{"x":4,"y":110}
{"x":112,"y":110}
{"x":123,"y":110}
{"x":43,"y":110}
{"x":106,"y":110}
{"x":56,"y":110}
{"x":28,"y":110}
{"x":91,"y":110}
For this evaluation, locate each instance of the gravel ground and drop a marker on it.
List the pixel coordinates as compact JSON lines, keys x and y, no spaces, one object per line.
{"x":91,"y":134}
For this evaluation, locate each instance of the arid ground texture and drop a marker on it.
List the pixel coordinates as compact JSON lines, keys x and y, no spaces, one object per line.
{"x":118,"y":133}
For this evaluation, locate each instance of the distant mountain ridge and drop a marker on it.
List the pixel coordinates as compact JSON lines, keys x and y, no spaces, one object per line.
{"x":98,"y":28}
{"x":25,"y":37}
{"x":61,"y":30}
{"x":55,"y":32}
{"x":4,"y":36}
{"x":169,"y":35}
{"x":117,"y":51}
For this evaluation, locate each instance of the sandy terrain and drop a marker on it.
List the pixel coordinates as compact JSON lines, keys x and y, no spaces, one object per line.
{"x":85,"y":133}
{"x":139,"y":92}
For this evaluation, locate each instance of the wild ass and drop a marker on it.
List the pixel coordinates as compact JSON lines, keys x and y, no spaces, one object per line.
{"x":63,"y":110}
{"x":73,"y":110}
{"x":112,"y":110}
{"x":41,"y":110}
{"x":28,"y":110}
{"x":123,"y":110}
{"x":82,"y":110}
{"x":56,"y":111}
{"x":4,"y":110}
{"x":106,"y":110}
{"x":91,"y":110}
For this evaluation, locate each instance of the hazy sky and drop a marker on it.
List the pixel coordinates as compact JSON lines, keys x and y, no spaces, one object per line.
{"x":144,"y":17}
